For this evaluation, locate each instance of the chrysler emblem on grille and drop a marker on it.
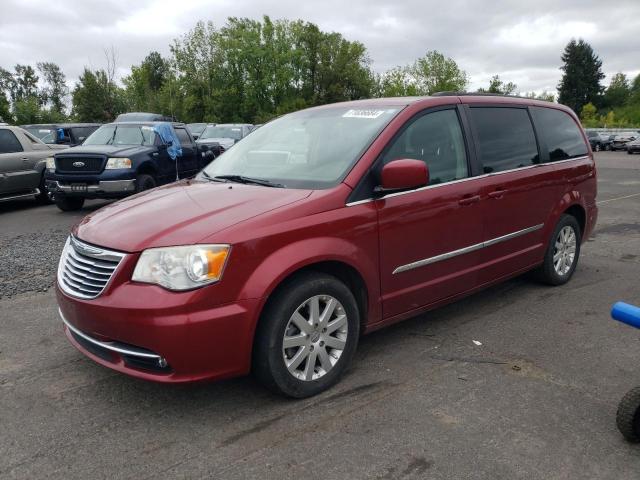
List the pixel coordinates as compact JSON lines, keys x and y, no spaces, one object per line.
{"x":78,"y":164}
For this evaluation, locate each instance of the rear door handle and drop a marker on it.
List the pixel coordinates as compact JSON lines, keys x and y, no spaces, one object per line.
{"x":497,"y":194}
{"x":469,"y":200}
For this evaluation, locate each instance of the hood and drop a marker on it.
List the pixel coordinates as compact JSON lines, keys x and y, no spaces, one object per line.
{"x":111,"y":150}
{"x":181,"y":213}
{"x":225,"y":142}
{"x":57,"y":147}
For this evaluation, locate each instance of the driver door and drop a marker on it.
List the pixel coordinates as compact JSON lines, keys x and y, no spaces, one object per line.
{"x":430,"y":237}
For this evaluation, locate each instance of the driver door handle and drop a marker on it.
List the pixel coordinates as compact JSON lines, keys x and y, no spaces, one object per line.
{"x":497,"y":194}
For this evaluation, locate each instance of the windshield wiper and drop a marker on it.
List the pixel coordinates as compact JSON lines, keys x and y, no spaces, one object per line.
{"x":250,"y":180}
{"x":210,"y":178}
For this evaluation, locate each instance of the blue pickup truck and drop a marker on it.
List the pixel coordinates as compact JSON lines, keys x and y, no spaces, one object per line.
{"x":117,"y":160}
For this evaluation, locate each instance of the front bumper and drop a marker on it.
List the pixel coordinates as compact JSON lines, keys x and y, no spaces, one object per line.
{"x":152,"y":334}
{"x":106,"y":187}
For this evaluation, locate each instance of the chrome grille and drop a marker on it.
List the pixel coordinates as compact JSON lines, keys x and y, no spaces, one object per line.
{"x":84,"y":270}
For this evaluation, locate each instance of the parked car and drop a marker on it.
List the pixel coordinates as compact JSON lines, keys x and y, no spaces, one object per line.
{"x":620,"y":141}
{"x":22,"y":164}
{"x":196,"y":129}
{"x":117,"y":160}
{"x":224,"y":134}
{"x":633,"y":146}
{"x":71,"y":134}
{"x":599,"y":141}
{"x":143,"y":117}
{"x":281,"y":252}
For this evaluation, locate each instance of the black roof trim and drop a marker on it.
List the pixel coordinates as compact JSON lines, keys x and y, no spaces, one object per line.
{"x":480,"y":94}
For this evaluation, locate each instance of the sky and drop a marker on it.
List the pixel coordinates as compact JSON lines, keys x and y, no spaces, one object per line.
{"x":520,"y":40}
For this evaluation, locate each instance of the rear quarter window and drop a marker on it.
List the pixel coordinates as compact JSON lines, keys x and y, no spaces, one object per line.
{"x":505,"y":137}
{"x":559,"y":134}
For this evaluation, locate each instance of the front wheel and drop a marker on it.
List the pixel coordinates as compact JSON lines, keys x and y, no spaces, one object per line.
{"x":307,"y":335}
{"x":145,"y":182}
{"x":43,"y":198}
{"x":69,"y":204}
{"x":563,"y":251}
{"x":628,"y":416}
{"x":597,"y":147}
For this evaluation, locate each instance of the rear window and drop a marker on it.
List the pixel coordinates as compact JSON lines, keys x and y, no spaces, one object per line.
{"x":559,"y":134}
{"x":505,"y":137}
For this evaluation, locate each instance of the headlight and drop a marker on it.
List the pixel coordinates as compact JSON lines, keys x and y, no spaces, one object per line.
{"x":117,"y":162}
{"x":182,"y":268}
{"x":50,"y":163}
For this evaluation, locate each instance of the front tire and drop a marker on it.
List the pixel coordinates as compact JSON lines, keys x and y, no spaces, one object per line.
{"x":597,"y":148}
{"x":563,"y":251}
{"x":307,"y":335}
{"x":145,"y":182}
{"x":628,"y":416}
{"x":69,"y":204}
{"x":43,"y":198}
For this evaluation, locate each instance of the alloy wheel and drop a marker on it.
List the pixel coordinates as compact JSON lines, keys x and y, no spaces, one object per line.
{"x":564,"y":252}
{"x":315,"y":337}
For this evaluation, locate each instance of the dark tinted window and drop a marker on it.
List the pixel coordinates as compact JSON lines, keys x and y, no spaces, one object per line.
{"x":505,"y":137}
{"x":560,"y":133}
{"x":8,"y":142}
{"x":436,"y":139}
{"x":81,"y":133}
{"x":183,"y":136}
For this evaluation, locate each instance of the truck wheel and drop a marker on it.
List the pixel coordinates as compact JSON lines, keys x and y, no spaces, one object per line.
{"x":43,"y":197}
{"x":145,"y":182}
{"x":628,"y":416}
{"x":69,"y":204}
{"x":563,"y":251}
{"x":307,"y":335}
{"x":597,"y":148}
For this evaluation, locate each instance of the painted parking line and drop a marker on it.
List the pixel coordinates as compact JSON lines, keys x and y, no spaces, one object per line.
{"x":617,"y":198}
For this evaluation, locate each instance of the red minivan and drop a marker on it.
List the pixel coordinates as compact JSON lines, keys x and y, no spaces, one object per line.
{"x":322,"y":225}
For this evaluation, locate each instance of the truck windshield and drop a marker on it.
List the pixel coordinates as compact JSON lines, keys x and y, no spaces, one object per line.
{"x":220,"y":131}
{"x":47,"y":135}
{"x":312,"y":148}
{"x":122,"y":135}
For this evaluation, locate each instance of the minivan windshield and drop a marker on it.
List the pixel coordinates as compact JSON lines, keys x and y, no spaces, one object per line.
{"x":122,"y":135}
{"x":312,"y":148}
{"x":221,"y":131}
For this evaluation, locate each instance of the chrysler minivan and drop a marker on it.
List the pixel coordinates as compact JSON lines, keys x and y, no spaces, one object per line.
{"x":322,"y":225}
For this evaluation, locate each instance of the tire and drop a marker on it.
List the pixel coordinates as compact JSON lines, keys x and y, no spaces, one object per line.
{"x":69,"y":204}
{"x":296,"y":296}
{"x":555,"y":272}
{"x":629,"y":152}
{"x":43,"y":198}
{"x":628,"y":416}
{"x":597,"y":148}
{"x":145,"y":182}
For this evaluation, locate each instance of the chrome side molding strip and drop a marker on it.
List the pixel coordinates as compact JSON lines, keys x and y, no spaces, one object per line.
{"x":469,"y":249}
{"x":109,"y":345}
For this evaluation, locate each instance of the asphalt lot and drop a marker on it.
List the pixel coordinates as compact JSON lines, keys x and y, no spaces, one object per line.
{"x":536,"y":400}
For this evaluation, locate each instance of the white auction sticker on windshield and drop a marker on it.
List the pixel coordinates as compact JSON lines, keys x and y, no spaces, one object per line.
{"x":363,"y":113}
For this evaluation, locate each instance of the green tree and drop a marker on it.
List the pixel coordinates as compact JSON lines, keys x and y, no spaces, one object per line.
{"x":618,"y":92}
{"x":25,"y":83}
{"x":143,"y":87}
{"x":56,"y":91}
{"x":545,"y":96}
{"x":498,"y":86}
{"x":580,"y":83}
{"x":588,"y":116}
{"x":436,"y":73}
{"x":96,"y":98}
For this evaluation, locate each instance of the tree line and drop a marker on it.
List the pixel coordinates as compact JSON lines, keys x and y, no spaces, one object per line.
{"x":253,"y":70}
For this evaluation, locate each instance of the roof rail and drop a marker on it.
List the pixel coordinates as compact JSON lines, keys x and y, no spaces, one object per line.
{"x":479,"y":94}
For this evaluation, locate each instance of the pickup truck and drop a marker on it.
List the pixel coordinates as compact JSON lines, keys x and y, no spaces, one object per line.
{"x":117,"y":160}
{"x":22,"y":164}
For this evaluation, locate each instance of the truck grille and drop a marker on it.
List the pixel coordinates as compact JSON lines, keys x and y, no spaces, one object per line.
{"x":84,"y":270}
{"x":80,"y":164}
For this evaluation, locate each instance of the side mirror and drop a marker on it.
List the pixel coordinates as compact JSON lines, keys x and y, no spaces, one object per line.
{"x":404,"y":174}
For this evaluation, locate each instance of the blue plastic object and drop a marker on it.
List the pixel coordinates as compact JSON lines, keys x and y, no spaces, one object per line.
{"x":625,"y":313}
{"x":169,"y":137}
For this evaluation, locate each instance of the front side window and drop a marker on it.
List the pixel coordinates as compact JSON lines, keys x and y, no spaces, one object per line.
{"x":8,"y":142}
{"x":436,"y":139}
{"x":183,"y":136}
{"x":505,"y":138}
{"x":313,"y":148}
{"x":560,"y":133}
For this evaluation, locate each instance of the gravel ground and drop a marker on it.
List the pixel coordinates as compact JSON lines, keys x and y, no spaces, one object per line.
{"x":28,"y":262}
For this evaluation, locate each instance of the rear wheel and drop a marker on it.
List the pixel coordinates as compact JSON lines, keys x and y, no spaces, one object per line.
{"x":69,"y":204}
{"x":563,"y":251}
{"x":307,"y":335}
{"x":43,"y":198}
{"x":145,"y":182}
{"x":628,"y":416}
